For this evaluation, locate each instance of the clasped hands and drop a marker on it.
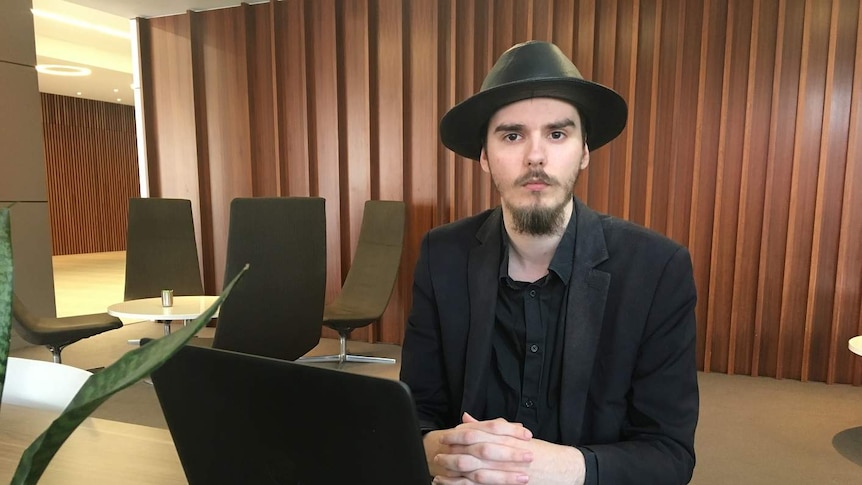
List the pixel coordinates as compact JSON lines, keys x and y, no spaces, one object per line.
{"x":498,"y":452}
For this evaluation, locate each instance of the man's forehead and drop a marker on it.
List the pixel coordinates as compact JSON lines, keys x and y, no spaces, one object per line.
{"x":558,"y":109}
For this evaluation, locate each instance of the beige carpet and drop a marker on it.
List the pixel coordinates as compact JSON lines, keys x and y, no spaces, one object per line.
{"x":751,"y":431}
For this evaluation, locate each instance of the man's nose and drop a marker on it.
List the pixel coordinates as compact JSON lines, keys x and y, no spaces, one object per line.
{"x":536,"y":155}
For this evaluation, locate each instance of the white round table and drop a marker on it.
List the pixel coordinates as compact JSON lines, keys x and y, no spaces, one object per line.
{"x":185,"y":308}
{"x":855,"y":345}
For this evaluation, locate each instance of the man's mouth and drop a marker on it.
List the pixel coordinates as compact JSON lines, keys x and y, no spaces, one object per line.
{"x":535,"y":184}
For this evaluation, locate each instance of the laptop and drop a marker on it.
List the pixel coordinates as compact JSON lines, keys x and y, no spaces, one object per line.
{"x":244,"y":419}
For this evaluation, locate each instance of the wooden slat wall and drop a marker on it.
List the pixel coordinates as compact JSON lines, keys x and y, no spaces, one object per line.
{"x":743,"y":140}
{"x":92,"y":169}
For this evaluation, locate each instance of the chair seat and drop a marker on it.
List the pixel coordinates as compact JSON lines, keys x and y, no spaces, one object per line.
{"x":54,"y":331}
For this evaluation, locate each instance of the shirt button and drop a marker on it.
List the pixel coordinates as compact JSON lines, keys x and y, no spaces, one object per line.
{"x":528,"y":403}
{"x":532,"y":293}
{"x":534,"y":348}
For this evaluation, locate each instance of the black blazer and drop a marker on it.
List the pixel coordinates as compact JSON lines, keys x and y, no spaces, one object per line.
{"x":629,"y":397}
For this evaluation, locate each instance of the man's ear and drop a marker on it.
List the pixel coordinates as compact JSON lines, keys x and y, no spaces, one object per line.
{"x":585,"y":159}
{"x":483,"y":161}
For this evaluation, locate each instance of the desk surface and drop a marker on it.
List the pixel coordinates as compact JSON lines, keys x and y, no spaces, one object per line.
{"x":855,"y":345}
{"x":184,"y":308}
{"x":98,"y":452}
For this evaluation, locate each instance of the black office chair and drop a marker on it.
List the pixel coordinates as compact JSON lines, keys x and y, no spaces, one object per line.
{"x":161,"y":250}
{"x":57,"y":333}
{"x":369,"y":283}
{"x":276,"y":309}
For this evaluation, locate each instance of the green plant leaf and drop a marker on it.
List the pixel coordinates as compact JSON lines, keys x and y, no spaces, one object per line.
{"x":5,"y":293}
{"x":130,"y":368}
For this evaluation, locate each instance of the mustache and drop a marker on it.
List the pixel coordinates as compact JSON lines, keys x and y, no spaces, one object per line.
{"x":536,"y":176}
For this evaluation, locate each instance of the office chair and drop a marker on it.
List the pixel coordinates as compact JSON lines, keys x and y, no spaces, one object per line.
{"x":161,"y":250}
{"x":57,"y":333}
{"x":276,"y":309}
{"x":370,"y":280}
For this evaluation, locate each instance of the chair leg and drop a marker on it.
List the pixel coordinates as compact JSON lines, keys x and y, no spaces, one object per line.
{"x":342,"y":357}
{"x":55,"y":353}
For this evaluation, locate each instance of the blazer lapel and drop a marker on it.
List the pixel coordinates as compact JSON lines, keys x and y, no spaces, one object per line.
{"x":482,"y":273}
{"x":587,"y":293}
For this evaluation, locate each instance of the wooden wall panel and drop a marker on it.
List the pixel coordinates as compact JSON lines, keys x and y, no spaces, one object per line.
{"x":742,"y":140}
{"x":91,"y":160}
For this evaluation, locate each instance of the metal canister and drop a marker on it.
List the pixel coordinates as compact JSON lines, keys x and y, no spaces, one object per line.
{"x":167,"y":298}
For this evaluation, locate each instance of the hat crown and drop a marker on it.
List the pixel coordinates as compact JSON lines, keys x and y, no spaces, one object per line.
{"x":530,"y":61}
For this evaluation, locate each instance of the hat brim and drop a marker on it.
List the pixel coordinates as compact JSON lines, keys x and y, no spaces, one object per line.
{"x":604,"y":111}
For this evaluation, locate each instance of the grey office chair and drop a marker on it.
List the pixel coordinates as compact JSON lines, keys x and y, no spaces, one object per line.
{"x":370,"y":280}
{"x":161,"y":250}
{"x":276,"y":309}
{"x":57,"y":333}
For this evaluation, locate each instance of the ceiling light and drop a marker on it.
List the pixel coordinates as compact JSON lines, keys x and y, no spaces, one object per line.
{"x":60,"y":70}
{"x":79,"y":93}
{"x":119,"y":99}
{"x":80,"y":23}
{"x":116,"y":90}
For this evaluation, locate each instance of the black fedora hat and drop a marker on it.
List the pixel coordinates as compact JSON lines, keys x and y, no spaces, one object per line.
{"x":533,"y":70}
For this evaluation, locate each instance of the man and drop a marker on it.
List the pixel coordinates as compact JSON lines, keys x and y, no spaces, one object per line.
{"x":548,"y":343}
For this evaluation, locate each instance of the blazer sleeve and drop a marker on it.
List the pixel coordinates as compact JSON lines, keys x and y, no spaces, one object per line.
{"x":657,"y":438}
{"x":422,"y":367}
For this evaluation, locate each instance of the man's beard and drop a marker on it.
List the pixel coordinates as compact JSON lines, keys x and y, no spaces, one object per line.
{"x":539,"y":221}
{"x":536,"y":220}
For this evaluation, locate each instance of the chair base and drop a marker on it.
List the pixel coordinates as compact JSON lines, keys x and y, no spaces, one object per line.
{"x":343,"y":357}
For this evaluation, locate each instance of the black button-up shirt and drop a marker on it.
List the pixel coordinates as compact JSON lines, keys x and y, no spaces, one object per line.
{"x":527,"y":347}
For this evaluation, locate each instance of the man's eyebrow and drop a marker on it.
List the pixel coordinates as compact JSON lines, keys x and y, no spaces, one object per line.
{"x":560,"y":124}
{"x":509,"y":127}
{"x":555,"y":125}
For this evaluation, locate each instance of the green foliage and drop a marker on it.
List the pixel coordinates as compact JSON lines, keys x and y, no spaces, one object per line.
{"x":5,"y":292}
{"x":130,"y":368}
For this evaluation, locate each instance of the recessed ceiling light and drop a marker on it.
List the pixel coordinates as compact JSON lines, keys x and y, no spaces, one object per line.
{"x":116,"y":90}
{"x":60,"y":70}
{"x":79,"y":93}
{"x":80,"y":23}
{"x":119,"y":99}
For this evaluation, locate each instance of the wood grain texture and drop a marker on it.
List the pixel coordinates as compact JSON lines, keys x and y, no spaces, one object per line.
{"x":742,"y":140}
{"x":91,"y":165}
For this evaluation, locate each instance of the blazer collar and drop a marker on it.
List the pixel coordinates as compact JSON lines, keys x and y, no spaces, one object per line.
{"x":588,"y":292}
{"x":482,"y":279}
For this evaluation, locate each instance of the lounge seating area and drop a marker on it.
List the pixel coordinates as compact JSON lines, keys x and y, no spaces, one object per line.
{"x":743,"y":435}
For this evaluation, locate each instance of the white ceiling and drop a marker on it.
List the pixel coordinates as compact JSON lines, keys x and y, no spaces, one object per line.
{"x":108,"y":56}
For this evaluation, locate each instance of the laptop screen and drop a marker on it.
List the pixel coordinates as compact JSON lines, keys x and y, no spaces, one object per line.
{"x":238,"y":418}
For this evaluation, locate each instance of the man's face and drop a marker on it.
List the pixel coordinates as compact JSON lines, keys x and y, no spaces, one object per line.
{"x":534,"y":151}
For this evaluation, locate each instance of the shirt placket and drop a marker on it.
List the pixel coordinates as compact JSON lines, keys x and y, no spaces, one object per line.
{"x":533,"y":358}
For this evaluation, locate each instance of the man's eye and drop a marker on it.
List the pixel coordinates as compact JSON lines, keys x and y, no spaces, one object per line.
{"x":557,"y":135}
{"x":511,"y":137}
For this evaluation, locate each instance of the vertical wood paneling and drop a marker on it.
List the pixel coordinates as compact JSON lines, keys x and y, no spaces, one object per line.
{"x":265,"y":171}
{"x":387,"y":133}
{"x":324,"y":142}
{"x":742,"y":140}
{"x":847,"y":305}
{"x":292,"y":92}
{"x":355,"y":123}
{"x":91,"y":162}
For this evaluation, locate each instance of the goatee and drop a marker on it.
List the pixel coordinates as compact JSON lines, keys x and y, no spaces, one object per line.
{"x":539,"y":221}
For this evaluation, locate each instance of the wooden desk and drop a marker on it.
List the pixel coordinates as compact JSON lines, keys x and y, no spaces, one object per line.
{"x":98,"y":452}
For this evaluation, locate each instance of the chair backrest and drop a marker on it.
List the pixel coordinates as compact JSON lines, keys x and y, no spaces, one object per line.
{"x":40,"y":384}
{"x":276,"y":310}
{"x":374,"y":269}
{"x":161,"y":252}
